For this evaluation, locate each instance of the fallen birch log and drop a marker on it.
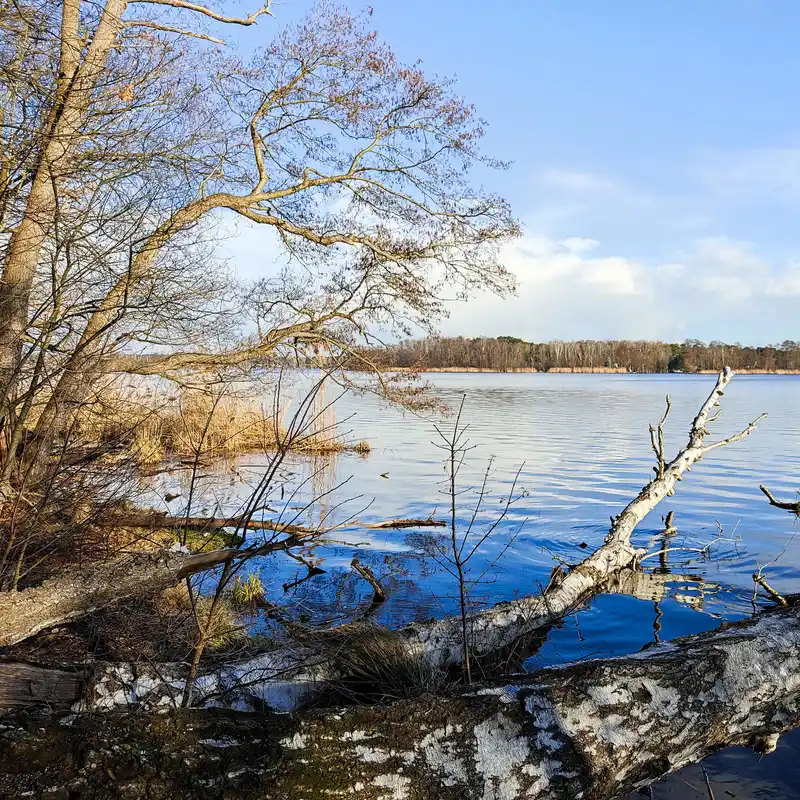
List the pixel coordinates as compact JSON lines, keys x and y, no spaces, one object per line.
{"x":282,"y":679}
{"x":23,"y":614}
{"x":502,"y":625}
{"x":591,"y":730}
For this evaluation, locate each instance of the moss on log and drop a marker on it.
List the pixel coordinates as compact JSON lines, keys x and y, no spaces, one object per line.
{"x":587,"y":731}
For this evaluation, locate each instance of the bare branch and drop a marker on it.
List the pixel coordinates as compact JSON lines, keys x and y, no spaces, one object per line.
{"x":250,"y":19}
{"x":793,"y":507}
{"x":146,"y":23}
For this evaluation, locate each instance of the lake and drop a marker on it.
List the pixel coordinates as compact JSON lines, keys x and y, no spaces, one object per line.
{"x":582,"y":448}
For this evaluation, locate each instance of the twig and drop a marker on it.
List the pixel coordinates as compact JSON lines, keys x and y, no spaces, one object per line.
{"x":657,"y":440}
{"x":708,"y":783}
{"x":793,"y":507}
{"x":761,"y":581}
{"x":366,"y":573}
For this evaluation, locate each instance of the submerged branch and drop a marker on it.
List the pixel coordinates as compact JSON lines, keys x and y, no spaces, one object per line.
{"x":793,"y":507}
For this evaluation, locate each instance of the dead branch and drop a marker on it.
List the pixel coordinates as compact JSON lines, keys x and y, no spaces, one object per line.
{"x":401,"y":523}
{"x":77,"y":592}
{"x":774,"y":595}
{"x":367,"y":574}
{"x":157,"y":519}
{"x":793,"y":507}
{"x":499,"y":627}
{"x":250,"y":19}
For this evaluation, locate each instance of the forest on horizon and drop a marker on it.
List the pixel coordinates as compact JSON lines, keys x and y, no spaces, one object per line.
{"x":504,"y":353}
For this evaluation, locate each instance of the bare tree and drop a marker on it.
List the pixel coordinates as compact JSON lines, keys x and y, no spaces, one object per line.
{"x":146,"y":134}
{"x":454,"y":551}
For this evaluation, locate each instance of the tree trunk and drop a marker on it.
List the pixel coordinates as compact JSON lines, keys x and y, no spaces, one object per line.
{"x":295,"y":674}
{"x":76,"y":83}
{"x":591,"y":730}
{"x":78,"y":592}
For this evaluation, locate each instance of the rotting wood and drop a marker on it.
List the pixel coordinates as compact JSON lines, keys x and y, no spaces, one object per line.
{"x":29,"y":686}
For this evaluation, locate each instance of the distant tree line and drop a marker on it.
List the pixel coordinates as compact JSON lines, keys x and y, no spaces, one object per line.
{"x":509,"y":353}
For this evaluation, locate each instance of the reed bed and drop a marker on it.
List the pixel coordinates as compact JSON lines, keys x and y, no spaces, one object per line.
{"x":193,"y":422}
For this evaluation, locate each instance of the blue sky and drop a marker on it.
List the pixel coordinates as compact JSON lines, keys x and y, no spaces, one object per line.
{"x":656,"y":150}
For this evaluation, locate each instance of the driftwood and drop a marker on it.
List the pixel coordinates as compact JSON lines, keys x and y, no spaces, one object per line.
{"x":793,"y":507}
{"x":156,"y":519}
{"x":378,"y":595}
{"x":590,"y":730}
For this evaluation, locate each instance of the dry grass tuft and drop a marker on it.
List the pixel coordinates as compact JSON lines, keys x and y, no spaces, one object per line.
{"x":225,"y":629}
{"x":374,"y":664}
{"x":249,"y":592}
{"x":194,"y":423}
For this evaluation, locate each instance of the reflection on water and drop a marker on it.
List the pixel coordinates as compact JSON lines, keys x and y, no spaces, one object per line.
{"x":586,"y":452}
{"x":738,"y":773}
{"x":585,"y":446}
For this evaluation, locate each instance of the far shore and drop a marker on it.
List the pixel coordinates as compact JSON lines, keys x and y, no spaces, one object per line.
{"x":594,"y":371}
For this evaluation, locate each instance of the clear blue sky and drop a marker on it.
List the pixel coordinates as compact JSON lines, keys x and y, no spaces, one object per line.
{"x":656,"y":150}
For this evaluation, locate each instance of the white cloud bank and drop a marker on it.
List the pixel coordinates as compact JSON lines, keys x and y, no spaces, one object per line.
{"x":719,"y":288}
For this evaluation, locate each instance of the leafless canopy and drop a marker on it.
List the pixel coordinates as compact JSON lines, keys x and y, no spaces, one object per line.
{"x":132,"y":141}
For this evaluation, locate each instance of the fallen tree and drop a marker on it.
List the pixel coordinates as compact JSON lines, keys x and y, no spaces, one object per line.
{"x":80,"y":591}
{"x":502,"y":625}
{"x":590,"y":730}
{"x":281,"y":679}
{"x":22,"y":614}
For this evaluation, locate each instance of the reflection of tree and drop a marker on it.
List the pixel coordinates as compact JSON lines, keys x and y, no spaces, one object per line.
{"x":691,"y":590}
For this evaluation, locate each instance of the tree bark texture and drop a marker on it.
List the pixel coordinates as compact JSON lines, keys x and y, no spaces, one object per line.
{"x":586,"y":731}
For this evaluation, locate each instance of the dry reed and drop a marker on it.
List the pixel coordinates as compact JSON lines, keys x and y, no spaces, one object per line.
{"x":194,"y":422}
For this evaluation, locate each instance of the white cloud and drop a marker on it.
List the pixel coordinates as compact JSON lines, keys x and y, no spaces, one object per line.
{"x":568,"y":291}
{"x":604,"y":259}
{"x":787,"y":284}
{"x":574,"y":180}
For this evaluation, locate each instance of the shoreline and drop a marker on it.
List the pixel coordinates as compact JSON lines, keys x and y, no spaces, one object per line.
{"x":585,"y":371}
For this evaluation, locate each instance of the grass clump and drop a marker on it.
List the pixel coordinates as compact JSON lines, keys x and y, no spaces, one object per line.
{"x":373,"y":664}
{"x":248,"y":592}
{"x":156,"y":426}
